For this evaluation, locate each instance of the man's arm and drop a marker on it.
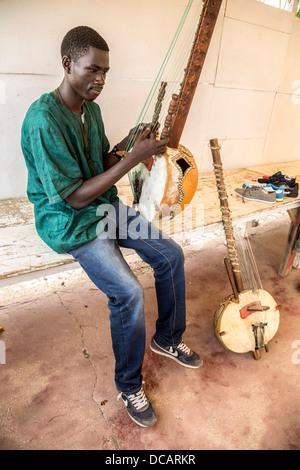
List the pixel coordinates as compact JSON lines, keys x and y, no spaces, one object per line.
{"x":109,"y":159}
{"x":93,"y":188}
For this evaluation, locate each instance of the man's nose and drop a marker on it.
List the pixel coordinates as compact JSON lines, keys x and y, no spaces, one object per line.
{"x":100,"y":78}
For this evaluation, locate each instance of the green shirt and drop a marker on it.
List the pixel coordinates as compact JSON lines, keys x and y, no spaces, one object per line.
{"x":53,"y":145}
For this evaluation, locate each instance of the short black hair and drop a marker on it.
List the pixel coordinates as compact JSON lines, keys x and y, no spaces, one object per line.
{"x":77,"y":41}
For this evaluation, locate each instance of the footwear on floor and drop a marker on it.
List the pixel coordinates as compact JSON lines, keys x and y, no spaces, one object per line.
{"x":279,"y":195}
{"x":292,"y":192}
{"x":278,"y":190}
{"x":270,"y":188}
{"x":278,"y":179}
{"x":180,"y":354}
{"x":139,"y":408}
{"x":256,"y":194}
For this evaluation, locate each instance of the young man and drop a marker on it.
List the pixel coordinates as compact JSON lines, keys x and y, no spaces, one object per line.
{"x":71,"y":182}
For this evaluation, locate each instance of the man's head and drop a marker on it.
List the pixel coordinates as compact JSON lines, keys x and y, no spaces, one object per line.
{"x":78,"y":40}
{"x":85,"y":58}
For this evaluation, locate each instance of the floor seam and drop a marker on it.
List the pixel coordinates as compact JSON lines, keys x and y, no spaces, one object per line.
{"x":87,"y":355}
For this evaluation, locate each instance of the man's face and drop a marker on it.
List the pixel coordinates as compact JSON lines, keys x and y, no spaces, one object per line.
{"x":88,"y":73}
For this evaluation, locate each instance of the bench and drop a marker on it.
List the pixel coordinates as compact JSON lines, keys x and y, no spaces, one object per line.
{"x":24,"y":255}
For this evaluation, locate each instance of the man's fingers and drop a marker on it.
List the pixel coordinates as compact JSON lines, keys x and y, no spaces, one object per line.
{"x":145,"y":133}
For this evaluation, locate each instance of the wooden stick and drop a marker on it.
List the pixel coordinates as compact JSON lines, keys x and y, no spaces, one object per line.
{"x":205,"y":29}
{"x":226,"y":217}
{"x":158,"y":106}
{"x":169,"y":119}
{"x":289,"y":253}
{"x":231,"y":278}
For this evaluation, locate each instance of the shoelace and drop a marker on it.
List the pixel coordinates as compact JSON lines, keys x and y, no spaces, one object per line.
{"x":139,"y":399}
{"x":184,"y":348}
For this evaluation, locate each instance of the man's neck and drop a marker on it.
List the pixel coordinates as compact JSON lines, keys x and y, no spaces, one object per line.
{"x":72,"y":101}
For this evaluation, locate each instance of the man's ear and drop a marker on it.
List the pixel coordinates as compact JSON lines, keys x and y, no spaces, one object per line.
{"x":66,"y":62}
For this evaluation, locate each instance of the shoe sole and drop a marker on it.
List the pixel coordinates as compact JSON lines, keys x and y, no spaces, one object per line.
{"x":162,"y":353}
{"x":255,"y":200}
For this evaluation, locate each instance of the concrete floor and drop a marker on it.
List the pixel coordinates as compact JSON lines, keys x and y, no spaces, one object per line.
{"x":57,"y":386}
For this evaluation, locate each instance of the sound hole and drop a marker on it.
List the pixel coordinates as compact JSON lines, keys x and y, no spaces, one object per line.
{"x":184,"y":165}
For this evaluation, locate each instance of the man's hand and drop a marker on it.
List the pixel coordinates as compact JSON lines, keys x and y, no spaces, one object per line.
{"x":146,"y":146}
{"x":129,"y":140}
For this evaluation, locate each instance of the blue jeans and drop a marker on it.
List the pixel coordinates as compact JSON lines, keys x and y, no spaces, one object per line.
{"x":105,"y":265}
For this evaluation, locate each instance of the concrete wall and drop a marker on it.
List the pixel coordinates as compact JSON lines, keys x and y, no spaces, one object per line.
{"x":247,"y":97}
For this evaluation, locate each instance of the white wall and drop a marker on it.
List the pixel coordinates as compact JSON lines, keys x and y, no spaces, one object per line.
{"x":245,"y":97}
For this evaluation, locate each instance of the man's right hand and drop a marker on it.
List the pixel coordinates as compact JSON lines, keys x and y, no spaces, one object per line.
{"x":146,"y":146}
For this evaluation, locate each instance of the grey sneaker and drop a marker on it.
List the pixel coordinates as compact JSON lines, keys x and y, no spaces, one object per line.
{"x":180,"y":353}
{"x":256,"y":194}
{"x":139,"y":408}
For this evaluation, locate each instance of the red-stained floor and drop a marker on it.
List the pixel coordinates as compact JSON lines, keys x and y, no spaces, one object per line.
{"x":57,"y":386}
